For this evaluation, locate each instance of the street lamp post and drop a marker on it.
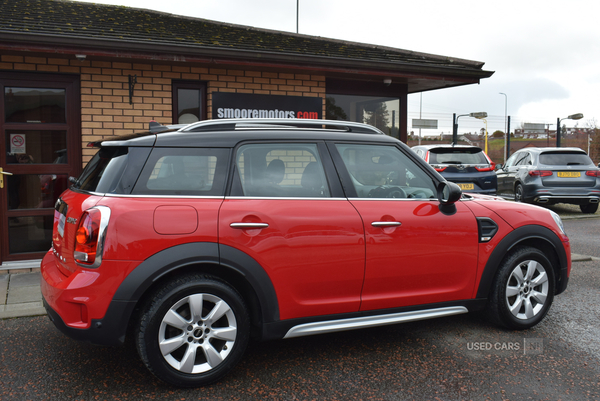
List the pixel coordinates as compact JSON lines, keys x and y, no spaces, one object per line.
{"x":505,"y":123}
{"x":577,"y":116}
{"x":486,"y":134}
{"x":480,"y":114}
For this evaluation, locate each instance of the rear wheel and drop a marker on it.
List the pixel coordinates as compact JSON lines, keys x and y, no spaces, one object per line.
{"x":519,"y":193}
{"x":523,"y":290}
{"x":589,"y":208}
{"x":193,"y":332}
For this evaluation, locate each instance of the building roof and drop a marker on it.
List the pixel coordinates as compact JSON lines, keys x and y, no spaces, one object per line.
{"x":71,"y":27}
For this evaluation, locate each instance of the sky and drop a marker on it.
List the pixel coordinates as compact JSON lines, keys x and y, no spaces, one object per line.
{"x":545,"y":53}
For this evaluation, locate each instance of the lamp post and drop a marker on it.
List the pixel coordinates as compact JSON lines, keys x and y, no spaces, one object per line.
{"x":577,"y":116}
{"x":505,"y":123}
{"x":480,"y":114}
{"x":486,"y":133}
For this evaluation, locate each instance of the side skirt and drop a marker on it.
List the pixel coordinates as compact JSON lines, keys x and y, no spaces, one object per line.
{"x":330,"y":326}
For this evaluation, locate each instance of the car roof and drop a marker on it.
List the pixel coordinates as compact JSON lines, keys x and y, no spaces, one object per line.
{"x":227,"y":133}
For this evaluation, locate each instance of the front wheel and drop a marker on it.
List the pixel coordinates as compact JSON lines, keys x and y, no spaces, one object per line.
{"x":523,"y":289}
{"x":193,"y":332}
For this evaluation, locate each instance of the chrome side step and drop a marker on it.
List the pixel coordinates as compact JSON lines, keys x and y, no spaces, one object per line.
{"x":330,"y":326}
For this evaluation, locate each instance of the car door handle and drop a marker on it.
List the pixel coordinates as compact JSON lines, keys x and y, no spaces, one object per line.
{"x":386,"y":224}
{"x":248,"y":225}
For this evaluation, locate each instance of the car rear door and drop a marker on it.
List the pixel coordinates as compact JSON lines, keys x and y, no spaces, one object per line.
{"x":286,"y":210}
{"x":415,"y":253}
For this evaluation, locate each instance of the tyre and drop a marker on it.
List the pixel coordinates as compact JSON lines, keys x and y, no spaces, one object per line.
{"x":193,"y":331}
{"x":523,"y":289}
{"x":519,"y":193}
{"x":589,"y":208}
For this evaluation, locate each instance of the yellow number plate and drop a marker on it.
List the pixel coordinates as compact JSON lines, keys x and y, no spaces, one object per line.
{"x":569,"y":174}
{"x":466,"y":187}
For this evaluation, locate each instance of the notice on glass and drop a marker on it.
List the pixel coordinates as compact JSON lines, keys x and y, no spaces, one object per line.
{"x":17,"y":143}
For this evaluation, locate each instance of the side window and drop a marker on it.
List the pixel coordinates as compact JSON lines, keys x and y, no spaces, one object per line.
{"x":379,"y":171}
{"x":281,"y":170}
{"x":522,"y":159}
{"x":512,"y":160}
{"x":190,"y":171}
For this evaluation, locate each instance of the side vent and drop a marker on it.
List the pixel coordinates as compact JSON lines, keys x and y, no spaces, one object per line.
{"x":487,"y":228}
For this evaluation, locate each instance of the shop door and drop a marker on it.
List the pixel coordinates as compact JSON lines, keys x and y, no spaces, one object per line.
{"x":40,"y":144}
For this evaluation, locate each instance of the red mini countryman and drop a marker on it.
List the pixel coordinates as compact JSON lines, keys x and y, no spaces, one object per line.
{"x":194,"y":239}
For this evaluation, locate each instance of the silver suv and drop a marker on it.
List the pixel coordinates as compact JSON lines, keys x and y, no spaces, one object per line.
{"x":549,"y":176}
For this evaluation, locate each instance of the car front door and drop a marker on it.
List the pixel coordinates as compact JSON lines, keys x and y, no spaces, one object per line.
{"x":415,"y":253}
{"x":287,"y":211}
{"x":506,"y":175}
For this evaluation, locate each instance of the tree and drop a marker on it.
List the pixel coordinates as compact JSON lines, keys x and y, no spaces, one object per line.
{"x":594,"y":141}
{"x":334,"y":112}
{"x":498,"y":134}
{"x":377,"y":115}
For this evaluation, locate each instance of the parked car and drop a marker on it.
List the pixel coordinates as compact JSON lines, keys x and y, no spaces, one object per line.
{"x":467,"y":166}
{"x":194,"y":240}
{"x":547,"y":176}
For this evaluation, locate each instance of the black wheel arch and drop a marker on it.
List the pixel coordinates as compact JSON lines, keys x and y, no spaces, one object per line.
{"x":225,"y":263}
{"x":535,"y":236}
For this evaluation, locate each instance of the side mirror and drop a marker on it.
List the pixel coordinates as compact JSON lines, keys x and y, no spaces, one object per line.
{"x":498,"y":167}
{"x":448,"y":193}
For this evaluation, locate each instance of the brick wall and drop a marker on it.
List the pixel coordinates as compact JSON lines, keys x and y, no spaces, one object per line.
{"x":105,"y":108}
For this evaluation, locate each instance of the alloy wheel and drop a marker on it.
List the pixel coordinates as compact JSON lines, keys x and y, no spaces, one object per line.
{"x":197,"y":333}
{"x":527,"y":289}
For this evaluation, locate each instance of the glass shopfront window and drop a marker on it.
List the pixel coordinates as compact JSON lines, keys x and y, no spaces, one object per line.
{"x":380,"y":112}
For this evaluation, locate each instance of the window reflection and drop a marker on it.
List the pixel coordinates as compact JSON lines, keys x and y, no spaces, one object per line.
{"x":188,"y":105}
{"x":34,"y":105}
{"x":33,"y":191}
{"x":29,"y":234}
{"x":380,"y":112}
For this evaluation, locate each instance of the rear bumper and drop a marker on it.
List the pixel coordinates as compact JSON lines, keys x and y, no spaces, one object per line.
{"x":575,"y":200}
{"x":482,"y":182}
{"x":81,"y":304}
{"x":108,"y":331}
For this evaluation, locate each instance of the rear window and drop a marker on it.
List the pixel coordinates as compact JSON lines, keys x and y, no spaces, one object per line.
{"x":565,"y":159}
{"x":105,"y":172}
{"x":457,"y":156}
{"x":184,"y":171}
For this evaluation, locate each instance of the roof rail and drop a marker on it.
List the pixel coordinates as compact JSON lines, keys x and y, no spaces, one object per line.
{"x":253,"y":123}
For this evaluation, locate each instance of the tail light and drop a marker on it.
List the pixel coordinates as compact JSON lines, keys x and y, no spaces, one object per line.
{"x":90,"y":235}
{"x":540,"y":173}
{"x":593,"y":173}
{"x":487,"y":168}
{"x":439,"y":169}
